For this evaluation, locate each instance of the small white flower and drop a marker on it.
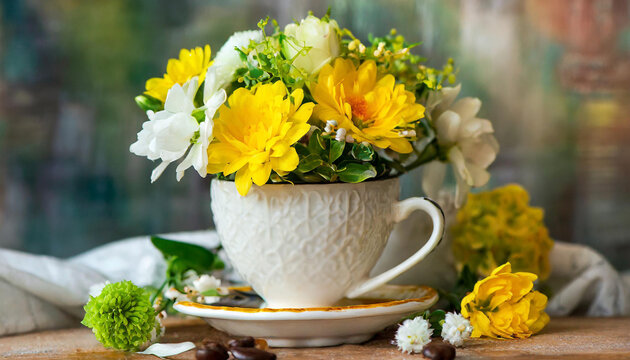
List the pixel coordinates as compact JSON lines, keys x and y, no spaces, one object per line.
{"x":341,"y":134}
{"x":321,"y":37}
{"x":332,"y":123}
{"x":471,"y":144}
{"x":96,"y":289}
{"x":228,"y":60}
{"x":205,"y":283}
{"x":174,"y":294}
{"x":167,"y":134}
{"x":209,"y":299}
{"x":349,"y":139}
{"x":456,"y":329}
{"x":413,"y":334}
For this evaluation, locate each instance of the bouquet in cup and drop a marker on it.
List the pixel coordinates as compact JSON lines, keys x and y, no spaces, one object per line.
{"x":312,"y":103}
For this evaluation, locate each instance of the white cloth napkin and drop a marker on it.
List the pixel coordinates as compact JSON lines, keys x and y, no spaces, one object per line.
{"x":41,"y":292}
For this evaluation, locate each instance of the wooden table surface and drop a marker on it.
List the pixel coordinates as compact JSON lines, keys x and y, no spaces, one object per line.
{"x":564,"y":338}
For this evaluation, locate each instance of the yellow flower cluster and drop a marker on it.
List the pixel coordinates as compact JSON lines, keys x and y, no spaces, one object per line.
{"x":369,"y":108}
{"x":499,"y":226}
{"x":255,"y":132}
{"x":191,"y":63}
{"x":503,"y":305}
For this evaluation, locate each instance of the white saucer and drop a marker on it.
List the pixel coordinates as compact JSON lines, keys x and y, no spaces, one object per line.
{"x":352,"y":321}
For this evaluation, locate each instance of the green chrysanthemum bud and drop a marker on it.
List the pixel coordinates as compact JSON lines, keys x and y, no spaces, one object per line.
{"x":121,"y":316}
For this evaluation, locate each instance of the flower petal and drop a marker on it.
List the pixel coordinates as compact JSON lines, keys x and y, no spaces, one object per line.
{"x":447,"y":127}
{"x":165,"y":350}
{"x":433,"y":175}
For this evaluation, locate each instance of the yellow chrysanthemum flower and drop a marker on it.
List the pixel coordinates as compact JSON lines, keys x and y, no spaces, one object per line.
{"x":370,"y":109}
{"x":255,"y":132}
{"x":191,"y":63}
{"x":498,"y":226}
{"x":503,"y":305}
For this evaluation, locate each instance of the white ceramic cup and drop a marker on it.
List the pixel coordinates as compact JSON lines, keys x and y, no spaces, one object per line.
{"x":312,"y":245}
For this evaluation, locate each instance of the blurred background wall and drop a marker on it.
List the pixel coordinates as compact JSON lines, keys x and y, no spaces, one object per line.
{"x":554,"y":77}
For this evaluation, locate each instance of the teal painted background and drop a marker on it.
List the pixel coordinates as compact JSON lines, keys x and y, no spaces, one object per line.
{"x":554,"y":77}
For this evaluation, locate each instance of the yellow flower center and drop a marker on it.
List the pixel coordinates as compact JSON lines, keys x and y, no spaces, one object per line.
{"x":359,"y":110}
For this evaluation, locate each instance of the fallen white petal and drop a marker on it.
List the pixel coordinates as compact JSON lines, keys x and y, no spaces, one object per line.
{"x":163,"y":350}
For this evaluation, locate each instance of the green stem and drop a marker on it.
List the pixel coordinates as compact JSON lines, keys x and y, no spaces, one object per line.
{"x":429,"y":154}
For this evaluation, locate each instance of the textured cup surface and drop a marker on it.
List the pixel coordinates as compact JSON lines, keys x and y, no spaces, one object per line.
{"x":304,"y":245}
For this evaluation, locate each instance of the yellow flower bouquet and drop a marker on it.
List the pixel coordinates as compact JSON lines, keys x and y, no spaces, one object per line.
{"x":311,"y":103}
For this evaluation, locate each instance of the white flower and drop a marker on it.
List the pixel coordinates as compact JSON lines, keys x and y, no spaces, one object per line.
{"x":205,"y":283}
{"x":198,"y":155}
{"x":341,"y":134}
{"x":174,"y":294}
{"x":167,"y":134}
{"x":456,"y":329}
{"x":413,"y":334}
{"x":470,"y":142}
{"x":228,"y":60}
{"x":320,"y":36}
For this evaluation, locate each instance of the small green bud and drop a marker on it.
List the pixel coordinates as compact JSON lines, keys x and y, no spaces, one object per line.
{"x":146,"y":103}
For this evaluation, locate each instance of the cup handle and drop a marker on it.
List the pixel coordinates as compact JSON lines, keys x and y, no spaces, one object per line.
{"x":402,"y":210}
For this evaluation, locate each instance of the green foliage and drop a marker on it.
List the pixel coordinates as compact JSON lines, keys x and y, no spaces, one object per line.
{"x":121,"y":316}
{"x":265,"y":62}
{"x":181,"y":258}
{"x":465,"y":283}
{"x":324,"y":159}
{"x":392,"y":54}
{"x":357,"y":172}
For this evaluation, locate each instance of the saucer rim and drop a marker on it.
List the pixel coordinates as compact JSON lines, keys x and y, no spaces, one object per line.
{"x":312,"y":313}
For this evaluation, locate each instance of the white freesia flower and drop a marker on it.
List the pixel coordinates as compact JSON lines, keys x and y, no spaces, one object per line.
{"x":228,"y":61}
{"x":470,"y":142}
{"x":413,"y":334}
{"x":205,"y":283}
{"x":456,"y":329}
{"x":198,"y":155}
{"x":167,"y":134}
{"x":320,"y":36}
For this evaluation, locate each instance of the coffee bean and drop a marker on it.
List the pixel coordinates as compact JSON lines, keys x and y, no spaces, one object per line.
{"x":243,"y":342}
{"x":439,"y":351}
{"x":205,"y":353}
{"x":213,"y":345}
{"x":250,"y":353}
{"x":261,"y":344}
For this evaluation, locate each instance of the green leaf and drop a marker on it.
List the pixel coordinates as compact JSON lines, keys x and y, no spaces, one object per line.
{"x":309,"y":163}
{"x":316,"y":143}
{"x":255,"y":72}
{"x":362,"y":152}
{"x":198,"y":100}
{"x":355,"y":173}
{"x":436,"y":319}
{"x":199,"y":115}
{"x":146,"y":103}
{"x":327,"y":171}
{"x":184,"y":256}
{"x":301,"y":149}
{"x":336,"y":149}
